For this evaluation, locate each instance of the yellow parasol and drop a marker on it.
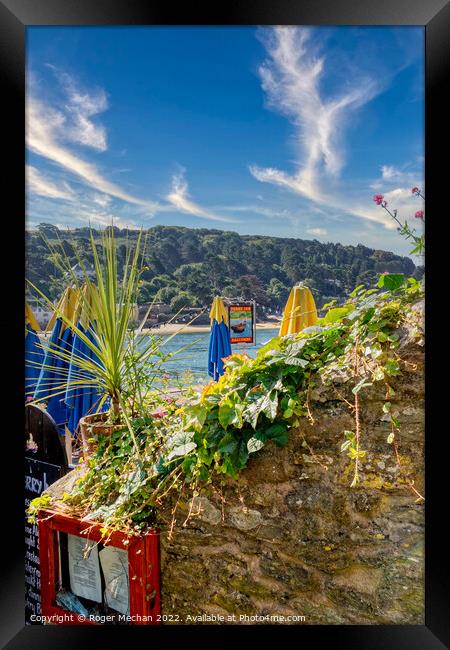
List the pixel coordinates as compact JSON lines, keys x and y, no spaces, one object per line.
{"x":300,"y":311}
{"x":30,"y":318}
{"x":87,"y":299}
{"x":218,"y":311}
{"x":67,"y":304}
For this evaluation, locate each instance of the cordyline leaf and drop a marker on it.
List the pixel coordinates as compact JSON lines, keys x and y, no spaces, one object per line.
{"x":108,"y":304}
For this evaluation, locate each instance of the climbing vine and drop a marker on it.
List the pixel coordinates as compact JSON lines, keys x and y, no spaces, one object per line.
{"x":207,"y":438}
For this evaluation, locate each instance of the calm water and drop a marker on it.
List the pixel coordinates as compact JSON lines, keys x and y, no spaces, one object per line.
{"x":195,"y":359}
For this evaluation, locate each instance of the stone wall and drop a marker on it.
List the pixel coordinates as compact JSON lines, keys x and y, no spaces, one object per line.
{"x":292,"y":538}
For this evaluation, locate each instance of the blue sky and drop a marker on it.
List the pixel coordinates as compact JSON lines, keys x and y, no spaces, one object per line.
{"x":272,"y":131}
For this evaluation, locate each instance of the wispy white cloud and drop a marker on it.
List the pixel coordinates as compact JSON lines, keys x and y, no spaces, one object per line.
{"x":43,"y":186}
{"x":395,"y":184}
{"x":80,"y":107}
{"x":291,"y":79}
{"x":317,"y":232}
{"x":103,"y":200}
{"x":391,"y":175}
{"x":258,"y":209}
{"x":82,"y":210}
{"x":44,"y":135}
{"x":404,"y":202}
{"x":179,"y":198}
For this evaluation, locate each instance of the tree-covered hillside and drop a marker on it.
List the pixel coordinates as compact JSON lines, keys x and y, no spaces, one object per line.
{"x":187,"y":267}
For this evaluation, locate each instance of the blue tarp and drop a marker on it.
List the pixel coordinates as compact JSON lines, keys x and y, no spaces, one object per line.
{"x":83,"y":399}
{"x":34,"y":355}
{"x":219,"y":347}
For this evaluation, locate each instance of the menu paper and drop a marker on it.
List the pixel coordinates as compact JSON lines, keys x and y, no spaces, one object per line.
{"x":84,"y":569}
{"x":114,"y":563}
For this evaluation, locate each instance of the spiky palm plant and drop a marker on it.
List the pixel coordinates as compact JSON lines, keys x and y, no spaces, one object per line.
{"x":102,"y":321}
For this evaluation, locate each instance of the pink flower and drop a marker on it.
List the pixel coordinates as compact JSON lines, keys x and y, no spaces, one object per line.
{"x":414,"y":190}
{"x":378,"y":198}
{"x":419,"y":214}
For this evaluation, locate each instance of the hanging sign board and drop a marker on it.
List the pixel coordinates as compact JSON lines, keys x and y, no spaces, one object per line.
{"x":45,"y":463}
{"x":241,"y":319}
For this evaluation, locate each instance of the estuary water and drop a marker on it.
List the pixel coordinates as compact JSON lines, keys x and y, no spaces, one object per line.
{"x":191,"y":364}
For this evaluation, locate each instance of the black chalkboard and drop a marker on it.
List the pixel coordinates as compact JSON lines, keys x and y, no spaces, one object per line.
{"x":49,"y":446}
{"x":45,"y":463}
{"x":38,"y":476}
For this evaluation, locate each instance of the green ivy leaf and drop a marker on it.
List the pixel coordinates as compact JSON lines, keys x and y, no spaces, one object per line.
{"x":267,"y":404}
{"x":337,"y":314}
{"x":391,"y":281}
{"x":391,"y":366}
{"x":254,"y":445}
{"x":361,"y":384}
{"x":277,"y":433}
{"x":356,"y":290}
{"x":295,"y":361}
{"x":242,"y":454}
{"x":195,"y":416}
{"x":182,"y":450}
{"x":345,"y":445}
{"x":228,"y":444}
{"x":368,"y":315}
{"x":231,"y":414}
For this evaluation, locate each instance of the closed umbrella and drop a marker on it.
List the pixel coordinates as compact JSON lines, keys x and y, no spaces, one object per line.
{"x":219,"y":340}
{"x":83,"y":398}
{"x":300,"y":311}
{"x":52,"y":382}
{"x":34,"y":354}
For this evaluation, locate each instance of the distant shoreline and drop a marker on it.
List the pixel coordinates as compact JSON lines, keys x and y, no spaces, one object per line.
{"x":181,"y":328}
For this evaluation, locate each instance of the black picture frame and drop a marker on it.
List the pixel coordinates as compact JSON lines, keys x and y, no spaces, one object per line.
{"x":15,"y":17}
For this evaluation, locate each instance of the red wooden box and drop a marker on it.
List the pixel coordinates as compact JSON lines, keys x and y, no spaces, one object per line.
{"x":143,"y":568}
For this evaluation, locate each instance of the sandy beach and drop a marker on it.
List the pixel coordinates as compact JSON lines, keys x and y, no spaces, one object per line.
{"x":172,"y":328}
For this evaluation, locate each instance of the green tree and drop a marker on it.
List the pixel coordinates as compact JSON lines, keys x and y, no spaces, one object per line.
{"x":165,"y":294}
{"x":182,"y":299}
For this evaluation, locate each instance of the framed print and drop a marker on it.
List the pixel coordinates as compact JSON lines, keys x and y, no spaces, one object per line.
{"x":241,"y":318}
